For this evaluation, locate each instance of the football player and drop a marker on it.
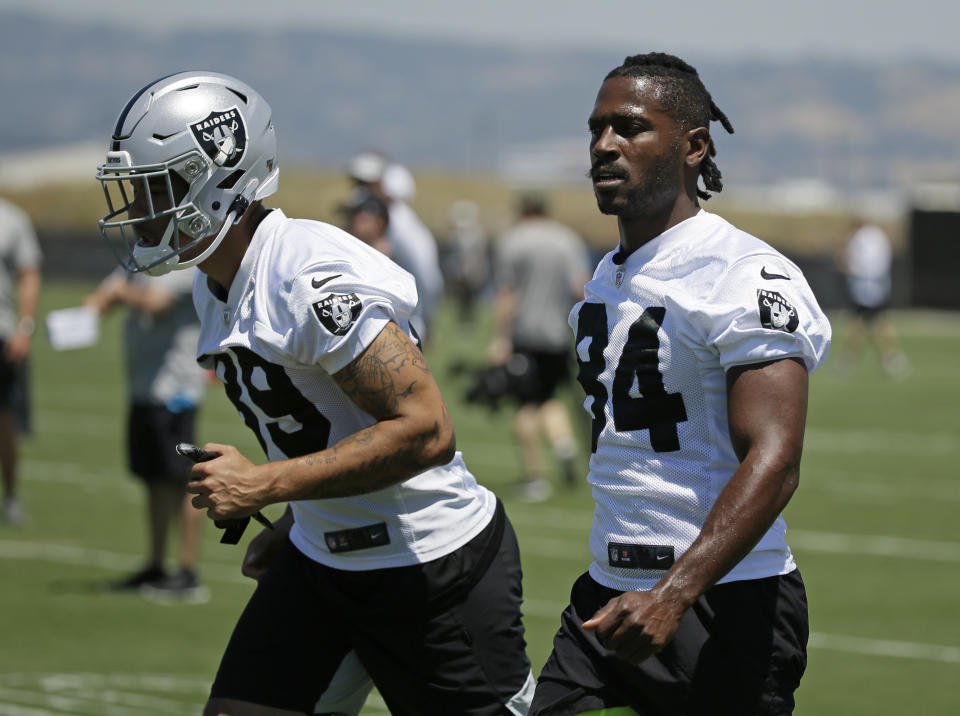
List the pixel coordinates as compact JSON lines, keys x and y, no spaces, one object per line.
{"x":390,"y":558}
{"x":694,"y":342}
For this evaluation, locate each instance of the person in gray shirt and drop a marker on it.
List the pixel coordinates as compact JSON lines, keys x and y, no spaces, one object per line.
{"x":541,"y":267}
{"x":19,"y":291}
{"x":166,"y":386}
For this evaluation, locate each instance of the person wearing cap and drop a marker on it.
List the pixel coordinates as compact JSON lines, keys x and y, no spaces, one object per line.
{"x":540,"y":269}
{"x":412,"y":245}
{"x":368,"y":217}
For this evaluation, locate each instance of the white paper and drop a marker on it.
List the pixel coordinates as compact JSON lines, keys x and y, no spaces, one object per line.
{"x":70,"y":328}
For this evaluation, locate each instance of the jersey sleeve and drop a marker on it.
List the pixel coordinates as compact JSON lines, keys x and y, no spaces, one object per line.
{"x":762,"y":309}
{"x":336,"y":313}
{"x":26,"y":248}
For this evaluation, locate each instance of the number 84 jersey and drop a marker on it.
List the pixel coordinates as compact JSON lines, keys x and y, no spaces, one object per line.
{"x":654,"y":337}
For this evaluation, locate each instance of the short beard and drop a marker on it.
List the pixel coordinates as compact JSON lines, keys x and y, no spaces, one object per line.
{"x":658,"y":191}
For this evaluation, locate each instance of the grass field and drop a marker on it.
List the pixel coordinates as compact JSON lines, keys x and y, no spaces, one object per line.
{"x":873,"y":525}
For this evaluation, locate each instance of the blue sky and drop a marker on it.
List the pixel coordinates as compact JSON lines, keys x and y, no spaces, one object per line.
{"x":864,"y":29}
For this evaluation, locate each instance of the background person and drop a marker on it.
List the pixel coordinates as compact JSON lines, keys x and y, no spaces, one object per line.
{"x":866,"y":262}
{"x":540,"y":269}
{"x":694,"y":341}
{"x":20,"y":282}
{"x":469,"y":259}
{"x":412,"y":245}
{"x":165,"y":387}
{"x":368,"y":219}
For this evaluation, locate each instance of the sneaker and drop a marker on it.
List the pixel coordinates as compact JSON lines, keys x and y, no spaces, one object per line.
{"x":569,"y":468}
{"x":147,"y":575}
{"x":180,"y":587}
{"x":896,"y":365}
{"x":13,"y":513}
{"x":536,"y":490}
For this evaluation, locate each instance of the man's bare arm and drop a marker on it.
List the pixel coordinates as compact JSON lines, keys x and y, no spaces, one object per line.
{"x":414,"y":431}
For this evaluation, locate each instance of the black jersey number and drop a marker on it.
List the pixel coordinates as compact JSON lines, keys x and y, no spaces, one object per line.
{"x":640,"y":401}
{"x":280,"y":399}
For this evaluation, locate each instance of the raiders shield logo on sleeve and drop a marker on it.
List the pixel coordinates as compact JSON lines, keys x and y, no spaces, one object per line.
{"x":776,"y":312}
{"x":338,"y":311}
{"x":222,"y":136}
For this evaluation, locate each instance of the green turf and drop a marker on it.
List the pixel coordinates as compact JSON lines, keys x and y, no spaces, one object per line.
{"x":873,"y":526}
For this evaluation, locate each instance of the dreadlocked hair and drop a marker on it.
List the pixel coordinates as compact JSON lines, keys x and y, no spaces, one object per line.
{"x":684,"y":98}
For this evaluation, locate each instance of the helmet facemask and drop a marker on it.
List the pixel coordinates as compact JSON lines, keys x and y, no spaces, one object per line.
{"x":152,"y":217}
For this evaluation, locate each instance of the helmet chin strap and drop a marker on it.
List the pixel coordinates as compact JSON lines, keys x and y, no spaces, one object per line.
{"x":237,"y":209}
{"x":227,"y":223}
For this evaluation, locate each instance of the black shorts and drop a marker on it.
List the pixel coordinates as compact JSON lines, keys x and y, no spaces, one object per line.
{"x":549,"y":370}
{"x":12,"y":379}
{"x":868,"y":313}
{"x":152,"y":436}
{"x":739,"y":651}
{"x":439,"y":638}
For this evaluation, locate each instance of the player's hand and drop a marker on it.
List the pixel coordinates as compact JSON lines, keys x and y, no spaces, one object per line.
{"x":228,"y":486}
{"x":264,"y":548}
{"x":17,"y":347}
{"x":636,"y":625}
{"x":499,"y":350}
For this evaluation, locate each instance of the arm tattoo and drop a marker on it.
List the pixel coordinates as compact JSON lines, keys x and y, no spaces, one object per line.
{"x":376,"y":472}
{"x":370,"y":381}
{"x":380,"y":381}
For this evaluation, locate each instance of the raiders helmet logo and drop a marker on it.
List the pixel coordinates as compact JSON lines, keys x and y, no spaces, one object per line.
{"x":338,"y":311}
{"x":222,"y":136}
{"x":776,"y":312}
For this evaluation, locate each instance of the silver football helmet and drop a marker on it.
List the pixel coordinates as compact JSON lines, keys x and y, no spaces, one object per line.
{"x":189,"y":153}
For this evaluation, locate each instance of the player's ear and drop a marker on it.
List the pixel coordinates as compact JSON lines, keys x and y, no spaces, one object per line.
{"x":696,"y":143}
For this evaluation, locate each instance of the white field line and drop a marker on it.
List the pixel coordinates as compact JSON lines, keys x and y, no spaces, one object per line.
{"x":10,"y":549}
{"x":842,"y":484}
{"x":95,"y":703}
{"x":89,"y":694}
{"x":829,"y":440}
{"x":13,"y":710}
{"x":560,"y":519}
{"x":879,"y":440}
{"x":568,"y":549}
{"x":878,"y":493}
{"x":874,"y":545}
{"x":99,"y":694}
{"x":110,"y":429}
{"x":885,"y":647}
{"x":571,"y":521}
{"x":543,"y":609}
{"x":86,"y":557}
{"x":801,"y":540}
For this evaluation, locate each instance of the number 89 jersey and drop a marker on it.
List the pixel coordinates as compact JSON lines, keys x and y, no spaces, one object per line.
{"x":306,"y":301}
{"x":655,"y":336}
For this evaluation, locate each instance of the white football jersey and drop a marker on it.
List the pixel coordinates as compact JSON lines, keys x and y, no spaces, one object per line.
{"x":307,"y":300}
{"x":655,"y":336}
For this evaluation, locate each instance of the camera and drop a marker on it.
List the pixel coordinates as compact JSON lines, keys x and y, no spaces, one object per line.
{"x":490,"y":385}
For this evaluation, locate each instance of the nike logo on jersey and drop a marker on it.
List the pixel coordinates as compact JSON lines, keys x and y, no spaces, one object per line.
{"x":771,"y":276}
{"x":319,"y":284}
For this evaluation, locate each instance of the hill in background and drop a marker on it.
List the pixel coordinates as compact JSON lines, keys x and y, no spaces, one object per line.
{"x":474,"y":109}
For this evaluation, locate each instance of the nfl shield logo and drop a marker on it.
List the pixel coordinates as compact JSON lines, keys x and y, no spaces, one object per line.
{"x":338,"y":311}
{"x":222,"y":136}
